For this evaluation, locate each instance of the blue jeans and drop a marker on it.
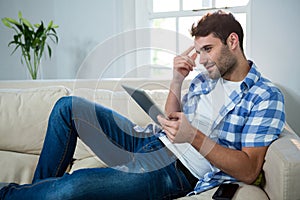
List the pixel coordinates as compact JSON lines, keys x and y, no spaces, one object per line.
{"x":140,"y":167}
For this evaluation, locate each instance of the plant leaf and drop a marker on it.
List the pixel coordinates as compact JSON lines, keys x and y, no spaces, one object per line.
{"x":6,"y":23}
{"x":12,"y":21}
{"x":28,"y":37}
{"x":55,"y":36}
{"x":41,"y":48}
{"x":49,"y":51}
{"x":20,"y":14}
{"x":12,"y":42}
{"x":16,"y":38}
{"x":27,"y":23}
{"x":15,"y":49}
{"x":40,"y":31}
{"x":50,"y":25}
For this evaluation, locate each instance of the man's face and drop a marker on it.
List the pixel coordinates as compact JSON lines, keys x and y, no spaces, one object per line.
{"x":217,"y":59}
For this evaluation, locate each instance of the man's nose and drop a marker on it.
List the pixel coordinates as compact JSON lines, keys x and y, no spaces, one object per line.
{"x":202,"y":58}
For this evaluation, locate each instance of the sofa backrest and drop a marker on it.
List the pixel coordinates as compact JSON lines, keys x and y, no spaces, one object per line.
{"x":24,"y":116}
{"x":24,"y":112}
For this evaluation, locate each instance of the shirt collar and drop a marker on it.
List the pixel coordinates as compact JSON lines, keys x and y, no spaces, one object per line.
{"x":202,"y":84}
{"x":252,"y":77}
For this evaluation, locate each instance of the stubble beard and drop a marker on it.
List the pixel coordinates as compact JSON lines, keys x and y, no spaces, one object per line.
{"x":224,"y":66}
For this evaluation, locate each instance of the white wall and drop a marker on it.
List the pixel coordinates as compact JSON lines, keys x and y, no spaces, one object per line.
{"x":82,"y":25}
{"x":275,"y":42}
{"x":274,"y":38}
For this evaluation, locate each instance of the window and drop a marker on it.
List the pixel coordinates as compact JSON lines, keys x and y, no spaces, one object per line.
{"x":178,"y":16}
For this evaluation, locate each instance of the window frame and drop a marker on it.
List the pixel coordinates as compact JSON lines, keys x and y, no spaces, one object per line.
{"x":199,"y":12}
{"x":142,"y":20}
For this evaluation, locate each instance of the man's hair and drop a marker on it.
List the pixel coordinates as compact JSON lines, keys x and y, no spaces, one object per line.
{"x":220,"y":24}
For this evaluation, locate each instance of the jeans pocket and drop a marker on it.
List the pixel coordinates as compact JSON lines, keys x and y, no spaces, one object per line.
{"x":152,"y":146}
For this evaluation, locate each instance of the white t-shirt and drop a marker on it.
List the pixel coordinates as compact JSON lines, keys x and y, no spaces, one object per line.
{"x":207,"y":111}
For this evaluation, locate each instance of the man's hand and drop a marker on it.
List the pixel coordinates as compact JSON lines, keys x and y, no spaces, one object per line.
{"x":177,"y":128}
{"x":183,"y":64}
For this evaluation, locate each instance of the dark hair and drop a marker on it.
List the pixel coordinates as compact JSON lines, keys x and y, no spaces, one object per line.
{"x":219,"y":23}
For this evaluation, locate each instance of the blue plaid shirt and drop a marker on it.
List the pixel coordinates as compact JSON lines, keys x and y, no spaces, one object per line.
{"x":254,"y":117}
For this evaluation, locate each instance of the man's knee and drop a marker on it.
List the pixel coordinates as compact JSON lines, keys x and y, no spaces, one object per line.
{"x":63,"y":102}
{"x":62,"y":107}
{"x":73,"y":107}
{"x":67,"y":102}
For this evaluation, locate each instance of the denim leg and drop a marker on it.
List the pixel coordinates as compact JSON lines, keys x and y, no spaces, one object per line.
{"x":113,"y":138}
{"x":103,"y":130}
{"x":59,"y":144}
{"x":110,"y":135}
{"x":146,"y":172}
{"x":105,"y":183}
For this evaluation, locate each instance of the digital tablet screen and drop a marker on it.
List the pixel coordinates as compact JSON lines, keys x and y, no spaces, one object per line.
{"x":145,"y":102}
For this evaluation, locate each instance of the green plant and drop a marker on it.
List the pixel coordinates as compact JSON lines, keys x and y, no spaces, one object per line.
{"x":32,"y":40}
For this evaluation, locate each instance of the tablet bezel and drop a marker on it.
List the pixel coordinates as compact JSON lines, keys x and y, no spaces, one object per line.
{"x":144,"y":101}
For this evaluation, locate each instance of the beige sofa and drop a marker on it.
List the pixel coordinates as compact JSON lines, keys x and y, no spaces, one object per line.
{"x":25,"y":107}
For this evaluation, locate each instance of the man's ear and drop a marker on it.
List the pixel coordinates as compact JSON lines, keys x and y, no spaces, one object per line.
{"x":233,"y":41}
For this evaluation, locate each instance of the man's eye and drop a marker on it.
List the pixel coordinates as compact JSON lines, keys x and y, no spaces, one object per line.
{"x":207,"y":49}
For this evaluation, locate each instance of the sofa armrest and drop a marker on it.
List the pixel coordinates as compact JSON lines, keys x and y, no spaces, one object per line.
{"x":282,"y":167}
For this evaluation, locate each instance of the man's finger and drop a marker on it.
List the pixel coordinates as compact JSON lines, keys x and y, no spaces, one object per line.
{"x":194,"y":56}
{"x":174,"y":116}
{"x":186,"y":52}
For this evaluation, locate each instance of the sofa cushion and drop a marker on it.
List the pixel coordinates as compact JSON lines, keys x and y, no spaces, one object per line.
{"x":89,"y":162}
{"x":282,"y":167}
{"x":17,"y":167}
{"x":24,"y":116}
{"x":244,"y":192}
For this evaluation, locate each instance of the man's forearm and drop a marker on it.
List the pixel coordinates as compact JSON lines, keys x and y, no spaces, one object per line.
{"x":243,"y":164}
{"x":173,"y":103}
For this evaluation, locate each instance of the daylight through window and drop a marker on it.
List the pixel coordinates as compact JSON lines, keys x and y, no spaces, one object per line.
{"x":179,"y":15}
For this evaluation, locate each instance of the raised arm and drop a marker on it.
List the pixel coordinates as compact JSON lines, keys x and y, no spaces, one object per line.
{"x":183,"y":64}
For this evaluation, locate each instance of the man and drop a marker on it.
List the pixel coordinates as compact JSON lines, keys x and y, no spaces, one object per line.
{"x":226,"y":121}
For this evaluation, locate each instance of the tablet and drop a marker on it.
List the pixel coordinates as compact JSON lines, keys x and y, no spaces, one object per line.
{"x":145,"y":102}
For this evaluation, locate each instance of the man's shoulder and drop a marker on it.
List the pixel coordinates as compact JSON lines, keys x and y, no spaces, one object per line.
{"x":265,"y":88}
{"x":258,"y":85}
